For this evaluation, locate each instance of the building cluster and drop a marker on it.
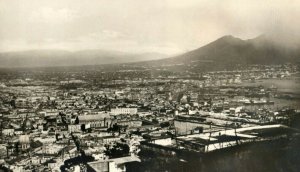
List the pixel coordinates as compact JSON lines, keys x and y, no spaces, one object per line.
{"x":81,"y":123}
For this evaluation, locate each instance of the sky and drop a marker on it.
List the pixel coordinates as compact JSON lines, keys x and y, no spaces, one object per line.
{"x":164,"y":26}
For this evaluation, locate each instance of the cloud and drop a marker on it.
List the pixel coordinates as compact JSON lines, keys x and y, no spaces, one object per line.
{"x":106,"y":34}
{"x":135,"y":25}
{"x":47,"y":14}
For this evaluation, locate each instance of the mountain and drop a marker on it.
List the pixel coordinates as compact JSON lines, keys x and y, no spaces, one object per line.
{"x":47,"y":58}
{"x":223,"y":53}
{"x":228,"y":51}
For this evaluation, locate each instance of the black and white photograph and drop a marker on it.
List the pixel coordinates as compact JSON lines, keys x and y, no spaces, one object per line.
{"x":149,"y":85}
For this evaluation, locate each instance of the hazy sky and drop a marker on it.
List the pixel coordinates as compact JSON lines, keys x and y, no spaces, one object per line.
{"x":167,"y":26}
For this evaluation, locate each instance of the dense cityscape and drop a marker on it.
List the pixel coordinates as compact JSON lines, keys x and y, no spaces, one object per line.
{"x":149,"y":86}
{"x":102,"y":120}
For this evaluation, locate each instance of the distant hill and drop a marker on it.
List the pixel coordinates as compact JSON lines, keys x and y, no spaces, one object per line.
{"x":222,"y":53}
{"x":228,"y":50}
{"x":49,"y":58}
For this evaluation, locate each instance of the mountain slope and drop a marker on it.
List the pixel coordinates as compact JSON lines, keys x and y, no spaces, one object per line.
{"x":223,"y":53}
{"x":228,"y":51}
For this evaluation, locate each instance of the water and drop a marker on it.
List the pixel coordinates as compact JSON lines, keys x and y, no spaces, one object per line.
{"x":272,"y":156}
{"x":289,"y":85}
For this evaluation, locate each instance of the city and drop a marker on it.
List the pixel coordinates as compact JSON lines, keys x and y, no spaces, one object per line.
{"x":149,"y":86}
{"x":73,"y":122}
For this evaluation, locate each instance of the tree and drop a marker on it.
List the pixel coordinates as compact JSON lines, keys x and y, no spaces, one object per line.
{"x":118,"y":150}
{"x":114,"y":128}
{"x":77,"y":120}
{"x":82,"y":127}
{"x":17,"y":148}
{"x":155,"y":121}
{"x":13,"y":103}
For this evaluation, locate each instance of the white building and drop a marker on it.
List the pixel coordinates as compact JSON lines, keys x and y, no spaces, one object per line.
{"x":118,"y":111}
{"x":8,"y":131}
{"x":74,"y":128}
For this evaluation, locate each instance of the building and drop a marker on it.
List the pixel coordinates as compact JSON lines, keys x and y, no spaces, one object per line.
{"x":130,"y":123}
{"x":95,"y":121}
{"x":109,"y":139}
{"x":8,"y":131}
{"x":24,"y":142}
{"x":74,"y":128}
{"x":189,"y":125}
{"x":118,"y":111}
{"x":112,"y":165}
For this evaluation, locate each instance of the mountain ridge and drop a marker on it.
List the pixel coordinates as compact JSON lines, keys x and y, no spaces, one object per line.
{"x":229,"y":50}
{"x":53,"y":57}
{"x":219,"y":54}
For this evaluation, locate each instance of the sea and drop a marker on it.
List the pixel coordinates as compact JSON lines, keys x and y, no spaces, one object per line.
{"x":280,"y":155}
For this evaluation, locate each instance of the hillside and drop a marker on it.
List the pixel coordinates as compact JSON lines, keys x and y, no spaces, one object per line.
{"x":222,"y":53}
{"x":228,"y":51}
